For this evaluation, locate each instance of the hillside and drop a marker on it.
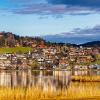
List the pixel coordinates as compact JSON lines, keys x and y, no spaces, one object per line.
{"x":8,"y":39}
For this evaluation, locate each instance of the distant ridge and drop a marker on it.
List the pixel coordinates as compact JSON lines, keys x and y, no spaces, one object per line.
{"x":70,"y":39}
{"x":91,"y":44}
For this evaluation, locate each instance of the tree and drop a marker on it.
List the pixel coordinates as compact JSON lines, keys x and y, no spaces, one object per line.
{"x":35,"y":64}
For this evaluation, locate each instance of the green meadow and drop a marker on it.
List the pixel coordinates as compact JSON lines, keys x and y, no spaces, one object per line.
{"x":15,"y":50}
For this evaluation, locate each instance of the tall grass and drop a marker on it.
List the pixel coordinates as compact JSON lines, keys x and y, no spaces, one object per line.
{"x":86,"y":78}
{"x":75,"y":91}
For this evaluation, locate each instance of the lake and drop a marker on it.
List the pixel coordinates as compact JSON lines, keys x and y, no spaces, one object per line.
{"x":42,"y":79}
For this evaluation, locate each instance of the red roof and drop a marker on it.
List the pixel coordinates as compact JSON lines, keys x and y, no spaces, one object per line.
{"x":42,"y":46}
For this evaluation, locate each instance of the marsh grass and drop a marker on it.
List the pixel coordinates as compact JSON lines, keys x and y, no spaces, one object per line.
{"x":76,"y":90}
{"x":86,"y":78}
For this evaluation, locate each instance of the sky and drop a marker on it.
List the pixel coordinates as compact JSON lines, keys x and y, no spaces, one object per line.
{"x":63,"y":18}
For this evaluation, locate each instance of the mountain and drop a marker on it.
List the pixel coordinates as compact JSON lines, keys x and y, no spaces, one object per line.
{"x":91,"y":44}
{"x":65,"y":38}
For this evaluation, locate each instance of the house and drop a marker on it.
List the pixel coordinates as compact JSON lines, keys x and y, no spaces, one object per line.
{"x":63,"y":62}
{"x":3,"y":57}
{"x":84,"y":59}
{"x":95,"y":51}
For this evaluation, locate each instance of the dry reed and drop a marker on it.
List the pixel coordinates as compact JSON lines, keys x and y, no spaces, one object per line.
{"x":86,"y":78}
{"x":81,"y":91}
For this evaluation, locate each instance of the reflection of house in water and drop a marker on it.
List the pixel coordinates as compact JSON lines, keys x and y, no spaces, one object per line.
{"x":79,"y":72}
{"x":13,"y":78}
{"x":45,"y":80}
{"x":86,"y":72}
{"x":51,"y":80}
{"x":24,"y":78}
{"x":62,"y":77}
{"x":5,"y":79}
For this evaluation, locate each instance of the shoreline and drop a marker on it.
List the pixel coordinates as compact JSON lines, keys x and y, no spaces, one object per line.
{"x":52,"y":69}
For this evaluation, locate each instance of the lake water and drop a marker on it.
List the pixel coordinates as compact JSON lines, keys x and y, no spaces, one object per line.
{"x":41,"y":79}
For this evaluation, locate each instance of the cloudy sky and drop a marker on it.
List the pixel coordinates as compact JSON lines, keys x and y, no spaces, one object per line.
{"x":66,"y":18}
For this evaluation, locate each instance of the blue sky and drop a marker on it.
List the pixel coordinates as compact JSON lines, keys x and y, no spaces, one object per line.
{"x":51,"y":17}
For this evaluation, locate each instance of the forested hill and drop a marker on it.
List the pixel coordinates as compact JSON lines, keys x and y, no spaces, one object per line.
{"x":11,"y":40}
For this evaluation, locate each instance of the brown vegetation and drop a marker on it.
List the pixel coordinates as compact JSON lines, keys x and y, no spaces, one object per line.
{"x":86,"y":78}
{"x":76,"y":91}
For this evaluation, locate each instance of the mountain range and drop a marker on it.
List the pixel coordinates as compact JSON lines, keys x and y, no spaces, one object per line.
{"x":91,"y":44}
{"x":64,"y":38}
{"x":76,"y":41}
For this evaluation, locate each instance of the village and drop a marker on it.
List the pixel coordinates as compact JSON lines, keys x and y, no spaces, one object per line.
{"x":43,"y":56}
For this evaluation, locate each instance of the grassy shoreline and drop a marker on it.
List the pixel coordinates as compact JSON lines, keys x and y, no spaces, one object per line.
{"x":86,"y":78}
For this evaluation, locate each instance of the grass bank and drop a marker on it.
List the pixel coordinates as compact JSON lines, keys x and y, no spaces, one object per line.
{"x":86,"y":78}
{"x":15,"y":50}
{"x":76,"y":91}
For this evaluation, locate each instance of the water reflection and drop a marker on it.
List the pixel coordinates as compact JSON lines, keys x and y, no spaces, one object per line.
{"x":45,"y":80}
{"x":42,"y":79}
{"x":86,"y":72}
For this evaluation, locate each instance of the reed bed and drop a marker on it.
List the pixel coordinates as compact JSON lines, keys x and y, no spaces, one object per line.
{"x":86,"y":78}
{"x":78,"y":91}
